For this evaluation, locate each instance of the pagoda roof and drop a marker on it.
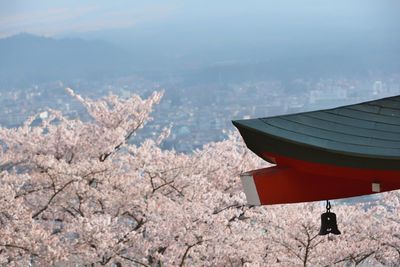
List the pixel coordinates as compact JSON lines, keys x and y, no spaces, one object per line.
{"x":367,"y":130}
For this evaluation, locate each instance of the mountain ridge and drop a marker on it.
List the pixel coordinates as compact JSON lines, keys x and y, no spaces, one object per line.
{"x":31,"y":58}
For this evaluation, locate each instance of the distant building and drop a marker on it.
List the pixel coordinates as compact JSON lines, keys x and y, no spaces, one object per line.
{"x":377,"y":88}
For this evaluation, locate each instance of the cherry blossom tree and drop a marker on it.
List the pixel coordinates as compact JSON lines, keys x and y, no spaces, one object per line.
{"x":77,"y":192}
{"x":295,"y":241}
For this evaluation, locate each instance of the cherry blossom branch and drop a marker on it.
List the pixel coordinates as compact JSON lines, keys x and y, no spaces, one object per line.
{"x":393,"y":246}
{"x":101,"y":207}
{"x":27,"y":192}
{"x":238,"y":206}
{"x":307,"y":248}
{"x":139,"y":222}
{"x":166,"y":183}
{"x":354,"y":259}
{"x":12,"y":246}
{"x":132,"y":260}
{"x":290,"y":249}
{"x":69,"y":212}
{"x":162,"y":185}
{"x":104,"y":156}
{"x":34,"y":216}
{"x":105,"y":260}
{"x":79,"y":209}
{"x":15,"y":246}
{"x":187,"y":251}
{"x":363,"y":258}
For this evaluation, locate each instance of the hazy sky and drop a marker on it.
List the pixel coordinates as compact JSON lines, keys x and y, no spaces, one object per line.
{"x":49,"y":17}
{"x":284,"y":38}
{"x":61,"y":17}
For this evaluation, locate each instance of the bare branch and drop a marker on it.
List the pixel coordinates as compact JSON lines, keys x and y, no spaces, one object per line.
{"x":187,"y":252}
{"x":34,"y":216}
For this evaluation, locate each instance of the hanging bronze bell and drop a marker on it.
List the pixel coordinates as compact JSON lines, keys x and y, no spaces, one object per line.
{"x":328,"y":222}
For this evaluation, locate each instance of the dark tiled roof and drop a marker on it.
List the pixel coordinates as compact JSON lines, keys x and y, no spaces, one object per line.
{"x":370,"y":129}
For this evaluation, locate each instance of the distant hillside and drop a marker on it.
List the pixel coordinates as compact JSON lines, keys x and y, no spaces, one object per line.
{"x":27,"y":58}
{"x":197,"y":56}
{"x":260,"y":46}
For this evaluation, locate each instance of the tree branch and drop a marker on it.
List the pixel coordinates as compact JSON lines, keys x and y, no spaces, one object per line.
{"x":228,"y":207}
{"x":27,"y":192}
{"x":104,"y":156}
{"x":34,"y":216}
{"x":187,"y":252}
{"x":132,"y":260}
{"x":12,"y":246}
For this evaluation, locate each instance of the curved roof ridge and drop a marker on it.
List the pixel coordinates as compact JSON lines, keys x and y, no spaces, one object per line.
{"x":369,"y":129}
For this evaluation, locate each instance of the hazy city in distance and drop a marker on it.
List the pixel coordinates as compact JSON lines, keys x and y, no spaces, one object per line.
{"x":216,"y":63}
